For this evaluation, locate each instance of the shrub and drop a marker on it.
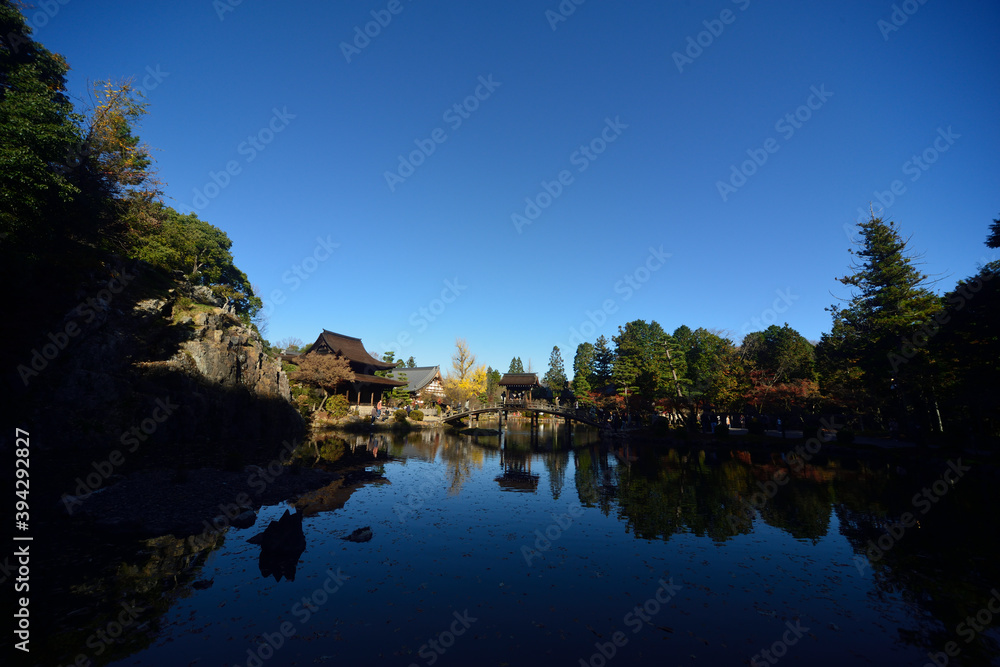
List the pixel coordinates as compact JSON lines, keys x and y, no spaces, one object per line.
{"x":417,"y":415}
{"x":755,"y":427}
{"x":400,"y":416}
{"x":306,"y":400}
{"x":338,"y":406}
{"x":722,"y":431}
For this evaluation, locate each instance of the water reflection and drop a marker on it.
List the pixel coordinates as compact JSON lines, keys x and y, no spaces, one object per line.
{"x":757,"y":538}
{"x":516,"y":472}
{"x":281,"y":546}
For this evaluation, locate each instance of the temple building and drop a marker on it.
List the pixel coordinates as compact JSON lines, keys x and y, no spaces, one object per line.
{"x":519,"y":386}
{"x":420,"y":380}
{"x":367,"y":388}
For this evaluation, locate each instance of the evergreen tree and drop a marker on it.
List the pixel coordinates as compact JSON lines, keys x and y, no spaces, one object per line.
{"x":516,"y":366}
{"x":411,"y":362}
{"x":603,"y":363}
{"x":889,"y":305}
{"x":780,"y":353}
{"x":967,"y":349}
{"x":388,"y":357}
{"x":583,"y":371}
{"x":555,"y":377}
{"x":583,"y":362}
{"x":202,"y":251}
{"x":492,"y":383}
{"x":993,"y":239}
{"x":399,"y":396}
{"x":641,"y":361}
{"x":38,"y":133}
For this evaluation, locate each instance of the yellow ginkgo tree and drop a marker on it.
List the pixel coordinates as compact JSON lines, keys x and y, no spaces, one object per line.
{"x":467,"y":380}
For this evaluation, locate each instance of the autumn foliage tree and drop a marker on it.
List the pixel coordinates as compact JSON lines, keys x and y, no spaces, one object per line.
{"x":466,"y":379}
{"x":326,"y":372}
{"x":779,"y":365}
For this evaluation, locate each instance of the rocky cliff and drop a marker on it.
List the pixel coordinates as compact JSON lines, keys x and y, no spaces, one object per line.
{"x":153,"y":364}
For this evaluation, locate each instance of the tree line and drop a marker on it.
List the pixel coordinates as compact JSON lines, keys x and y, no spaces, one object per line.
{"x":898,"y":358}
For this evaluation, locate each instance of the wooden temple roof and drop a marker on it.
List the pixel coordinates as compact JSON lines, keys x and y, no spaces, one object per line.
{"x":351,"y":349}
{"x":519,"y":380}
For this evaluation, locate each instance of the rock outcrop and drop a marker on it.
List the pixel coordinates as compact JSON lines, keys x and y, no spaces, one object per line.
{"x":167,"y":368}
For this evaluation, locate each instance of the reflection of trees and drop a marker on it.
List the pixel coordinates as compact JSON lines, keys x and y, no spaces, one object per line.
{"x":460,"y":457}
{"x":556,"y":463}
{"x":717,"y":497}
{"x":595,"y":483}
{"x":801,"y":508}
{"x":658,"y":498}
{"x":159,"y":572}
{"x":944,"y":568}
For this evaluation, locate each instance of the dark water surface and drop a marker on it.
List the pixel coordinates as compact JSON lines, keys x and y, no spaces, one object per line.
{"x":526,"y":553}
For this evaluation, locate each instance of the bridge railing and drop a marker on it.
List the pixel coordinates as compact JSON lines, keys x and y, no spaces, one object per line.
{"x":522,"y":404}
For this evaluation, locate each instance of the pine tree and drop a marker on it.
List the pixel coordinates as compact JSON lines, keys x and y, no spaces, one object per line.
{"x":555,"y":377}
{"x":872,"y":335}
{"x":583,"y":361}
{"x":641,"y":361}
{"x":516,"y":366}
{"x":603,"y":363}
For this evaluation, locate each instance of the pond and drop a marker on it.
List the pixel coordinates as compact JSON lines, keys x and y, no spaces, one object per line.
{"x":549,"y":550}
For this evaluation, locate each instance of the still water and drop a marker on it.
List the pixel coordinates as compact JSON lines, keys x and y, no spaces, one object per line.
{"x":556,"y":552}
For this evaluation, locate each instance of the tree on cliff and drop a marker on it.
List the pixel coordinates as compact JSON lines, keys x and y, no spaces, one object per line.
{"x":67,"y":177}
{"x":202,"y":251}
{"x":326,"y":372}
{"x":38,"y":130}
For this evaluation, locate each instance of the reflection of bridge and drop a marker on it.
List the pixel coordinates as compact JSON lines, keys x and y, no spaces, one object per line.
{"x":535,"y":407}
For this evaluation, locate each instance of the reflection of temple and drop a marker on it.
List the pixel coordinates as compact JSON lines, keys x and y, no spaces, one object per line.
{"x":517,"y":475}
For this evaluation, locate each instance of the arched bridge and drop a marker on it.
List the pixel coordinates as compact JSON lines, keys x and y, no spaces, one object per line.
{"x":545,"y":407}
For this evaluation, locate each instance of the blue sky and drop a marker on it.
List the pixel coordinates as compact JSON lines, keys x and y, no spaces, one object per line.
{"x":691,"y":163}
